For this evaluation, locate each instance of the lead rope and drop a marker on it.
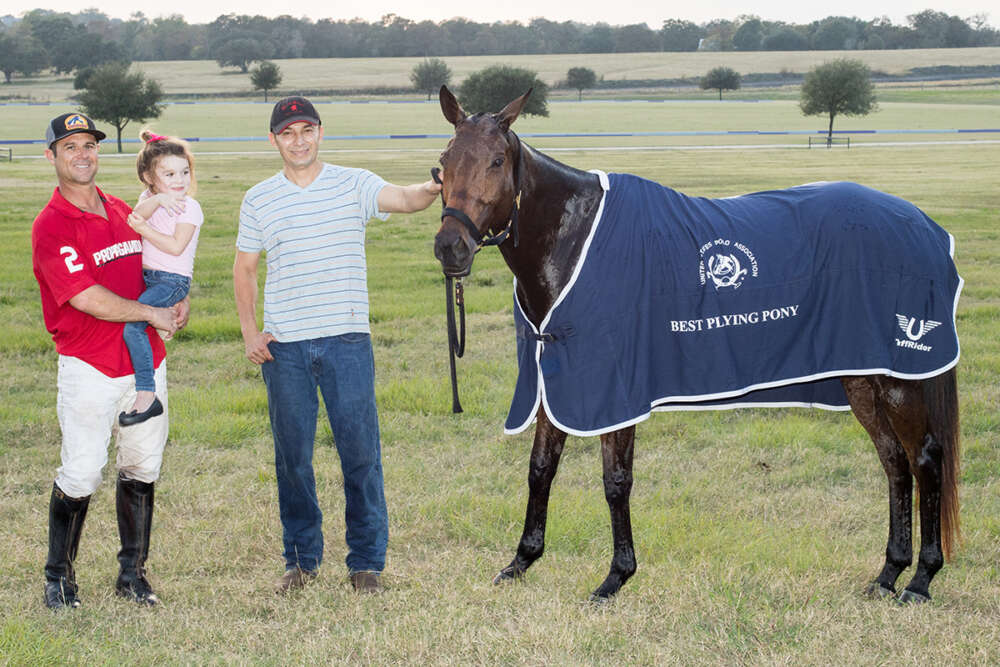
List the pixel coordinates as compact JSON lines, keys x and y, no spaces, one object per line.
{"x":454,"y":296}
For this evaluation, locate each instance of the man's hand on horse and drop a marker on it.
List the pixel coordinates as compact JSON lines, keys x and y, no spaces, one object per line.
{"x":433,"y":188}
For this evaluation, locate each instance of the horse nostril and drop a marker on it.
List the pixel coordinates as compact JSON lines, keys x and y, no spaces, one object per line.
{"x":451,"y":251}
{"x":460,"y":249}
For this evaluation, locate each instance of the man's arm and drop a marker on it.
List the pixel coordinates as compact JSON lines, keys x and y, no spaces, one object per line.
{"x":407,"y":198}
{"x":102,"y":303}
{"x":245,"y":287}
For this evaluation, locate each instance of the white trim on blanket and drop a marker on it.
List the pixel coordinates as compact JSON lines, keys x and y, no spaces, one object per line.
{"x":540,"y":392}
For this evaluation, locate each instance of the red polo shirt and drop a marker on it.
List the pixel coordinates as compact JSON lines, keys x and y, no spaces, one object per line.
{"x":74,"y":249}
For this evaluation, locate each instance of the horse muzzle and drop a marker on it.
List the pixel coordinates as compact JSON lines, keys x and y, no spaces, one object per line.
{"x":455,"y":253}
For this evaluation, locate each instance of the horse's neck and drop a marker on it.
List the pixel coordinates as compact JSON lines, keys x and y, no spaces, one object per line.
{"x":558,"y":206}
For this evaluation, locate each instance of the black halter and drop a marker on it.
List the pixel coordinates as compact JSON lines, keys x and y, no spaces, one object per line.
{"x":510,"y":229}
{"x":455,"y":296}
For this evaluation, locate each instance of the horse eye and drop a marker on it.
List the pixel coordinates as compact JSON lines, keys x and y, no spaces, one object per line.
{"x":498,"y":162}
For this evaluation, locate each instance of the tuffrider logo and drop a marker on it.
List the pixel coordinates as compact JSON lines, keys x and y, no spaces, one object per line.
{"x":915,"y":333}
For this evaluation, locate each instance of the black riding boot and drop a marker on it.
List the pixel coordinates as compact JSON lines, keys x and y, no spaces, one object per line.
{"x":134,"y":502}
{"x":66,"y":517}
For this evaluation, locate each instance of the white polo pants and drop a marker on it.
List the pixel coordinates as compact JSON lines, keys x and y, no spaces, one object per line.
{"x":88,"y":405}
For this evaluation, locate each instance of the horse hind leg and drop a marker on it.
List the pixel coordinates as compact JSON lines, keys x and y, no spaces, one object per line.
{"x":616,"y":454}
{"x":924,"y":415}
{"x":545,"y":454}
{"x":899,"y":547}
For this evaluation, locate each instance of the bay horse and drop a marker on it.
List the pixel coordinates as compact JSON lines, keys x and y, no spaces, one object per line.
{"x":539,"y":212}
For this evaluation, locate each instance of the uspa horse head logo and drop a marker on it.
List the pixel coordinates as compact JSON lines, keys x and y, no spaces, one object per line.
{"x":723,"y":261}
{"x":725,"y":270}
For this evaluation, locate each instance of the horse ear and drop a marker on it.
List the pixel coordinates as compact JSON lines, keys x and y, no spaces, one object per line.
{"x":510,"y":112}
{"x":450,"y":107}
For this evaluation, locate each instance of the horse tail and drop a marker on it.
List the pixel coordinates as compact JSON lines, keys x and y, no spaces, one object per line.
{"x":941,"y":400}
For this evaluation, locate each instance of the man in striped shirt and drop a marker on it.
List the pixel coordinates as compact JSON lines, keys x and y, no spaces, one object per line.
{"x":310,"y":219}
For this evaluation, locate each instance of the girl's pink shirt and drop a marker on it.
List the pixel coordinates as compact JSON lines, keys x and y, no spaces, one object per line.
{"x":161,"y":221}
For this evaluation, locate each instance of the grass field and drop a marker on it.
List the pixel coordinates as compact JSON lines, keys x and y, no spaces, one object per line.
{"x":205,"y":77}
{"x":756,"y":531}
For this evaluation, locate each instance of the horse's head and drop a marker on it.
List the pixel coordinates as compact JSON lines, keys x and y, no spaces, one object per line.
{"x":480,"y":164}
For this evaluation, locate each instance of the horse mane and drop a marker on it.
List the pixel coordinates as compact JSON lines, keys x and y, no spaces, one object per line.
{"x":561,"y":169}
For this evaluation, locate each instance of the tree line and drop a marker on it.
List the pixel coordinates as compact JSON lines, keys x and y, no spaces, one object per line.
{"x":43,"y":39}
{"x":117,"y":95}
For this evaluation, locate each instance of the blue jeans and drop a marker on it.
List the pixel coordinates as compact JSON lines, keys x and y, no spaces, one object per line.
{"x":343,"y":369}
{"x":163,"y":289}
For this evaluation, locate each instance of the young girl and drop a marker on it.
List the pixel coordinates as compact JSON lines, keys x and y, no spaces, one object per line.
{"x":168,"y":219}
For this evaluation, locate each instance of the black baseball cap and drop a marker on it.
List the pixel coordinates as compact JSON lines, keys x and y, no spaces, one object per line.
{"x":70,"y":123}
{"x":294,"y":109}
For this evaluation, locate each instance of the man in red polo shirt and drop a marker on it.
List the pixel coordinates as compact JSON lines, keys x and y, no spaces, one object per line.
{"x":88,"y":263}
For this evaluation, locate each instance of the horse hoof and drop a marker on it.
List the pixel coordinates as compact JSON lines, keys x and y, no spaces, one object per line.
{"x":910,"y":597}
{"x":509,"y":573}
{"x":878,"y":591}
{"x":598,"y":600}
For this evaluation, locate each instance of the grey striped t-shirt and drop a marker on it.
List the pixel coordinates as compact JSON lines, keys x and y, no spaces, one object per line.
{"x":314,"y":239}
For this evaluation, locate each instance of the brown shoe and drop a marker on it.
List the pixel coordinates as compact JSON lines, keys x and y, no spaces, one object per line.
{"x":293,"y":579}
{"x":366,"y":581}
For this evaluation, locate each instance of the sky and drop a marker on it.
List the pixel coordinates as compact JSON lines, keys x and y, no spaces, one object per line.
{"x":652,"y":12}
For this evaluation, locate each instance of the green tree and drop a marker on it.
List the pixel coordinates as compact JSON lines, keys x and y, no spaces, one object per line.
{"x":721,"y":78}
{"x":240,"y":52}
{"x":842,"y":87}
{"x":635,"y":38}
{"x":599,"y":39}
{"x":171,"y":38}
{"x":54,"y":32}
{"x":88,"y":52}
{"x":68,"y":49}
{"x":835,"y":33}
{"x":430,"y":75}
{"x":785,"y":39}
{"x":937,"y":30}
{"x":679,"y":35}
{"x":82,"y":77}
{"x":20,"y":52}
{"x":492,"y":88}
{"x":718,"y":35}
{"x":749,"y":35}
{"x":116,"y":95}
{"x":580,"y":78}
{"x":265,"y":76}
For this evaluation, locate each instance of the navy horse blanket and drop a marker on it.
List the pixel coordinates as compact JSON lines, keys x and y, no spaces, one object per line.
{"x":766,"y":299}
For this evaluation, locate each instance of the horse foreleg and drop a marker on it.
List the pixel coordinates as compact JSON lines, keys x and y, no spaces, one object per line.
{"x":899,"y":547}
{"x":545,"y":454}
{"x":616,"y":452}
